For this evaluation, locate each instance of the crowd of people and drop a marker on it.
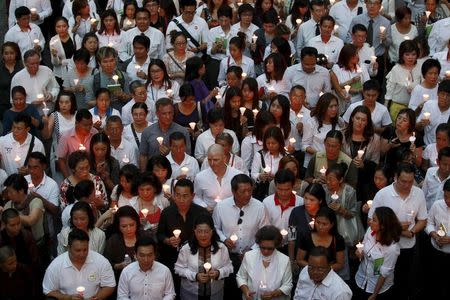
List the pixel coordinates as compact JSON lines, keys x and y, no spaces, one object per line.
{"x":225,"y":149}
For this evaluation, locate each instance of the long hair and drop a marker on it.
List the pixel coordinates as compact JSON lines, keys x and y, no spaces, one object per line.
{"x":83,"y":206}
{"x":285,"y":123}
{"x":166,"y":80}
{"x":130,"y":172}
{"x":390,"y":228}
{"x":275,"y":133}
{"x":109,"y":13}
{"x":368,"y":130}
{"x":279,"y":62}
{"x":232,"y":92}
{"x":252,"y":84}
{"x":284,"y":50}
{"x":328,"y":213}
{"x":96,"y":139}
{"x":122,"y":212}
{"x":263,"y":118}
{"x":321,"y":109}
{"x":200,"y":220}
{"x":193,"y":66}
{"x":347,"y":52}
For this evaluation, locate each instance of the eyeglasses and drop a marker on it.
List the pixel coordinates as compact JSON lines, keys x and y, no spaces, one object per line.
{"x":241,"y":214}
{"x":267,"y":248}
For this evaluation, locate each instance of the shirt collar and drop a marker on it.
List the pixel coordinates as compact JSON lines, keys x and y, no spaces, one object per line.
{"x":283,"y":208}
{"x":68,"y":263}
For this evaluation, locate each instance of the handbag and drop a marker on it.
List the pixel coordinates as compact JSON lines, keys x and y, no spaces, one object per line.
{"x":261,"y":190}
{"x":350,"y":229}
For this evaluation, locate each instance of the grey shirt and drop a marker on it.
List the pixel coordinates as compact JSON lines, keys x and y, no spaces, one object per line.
{"x":150,"y":146}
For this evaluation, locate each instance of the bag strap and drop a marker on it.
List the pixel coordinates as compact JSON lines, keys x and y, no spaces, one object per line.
{"x":186,"y":33}
{"x":175,"y":61}
{"x":263,"y":163}
{"x":30,"y":149}
{"x":135,"y":135}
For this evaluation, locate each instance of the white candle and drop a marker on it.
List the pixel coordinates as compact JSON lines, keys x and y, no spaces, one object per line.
{"x":176,"y":233}
{"x":45,"y":110}
{"x":382,"y":29}
{"x":169,"y":93}
{"x":428,"y":13}
{"x":320,"y":94}
{"x":407,"y":38}
{"x":110,"y":44}
{"x":76,"y":80}
{"x":441,"y":233}
{"x":347,"y":88}
{"x":192,"y":125}
{"x":369,"y":203}
{"x":144,"y":212}
{"x":207,"y":266}
{"x":426,"y":115}
{"x":184,"y":171}
{"x":217,"y":199}
{"x":160,"y":139}
{"x":336,"y":27}
{"x":271,"y":89}
{"x":360,"y":153}
{"x":115,"y":78}
{"x":300,"y":116}
{"x":40,"y":97}
{"x":284,"y":232}
{"x":292,"y":141}
{"x":93,"y":21}
{"x":80,"y":291}
{"x":125,"y":159}
{"x":267,"y":169}
{"x":360,"y":247}
{"x":254,"y":38}
{"x":234,"y":238}
{"x":33,"y":10}
{"x":311,"y":223}
{"x":97,"y":192}
{"x":447,"y":73}
{"x":323,"y":171}
{"x":298,"y":21}
{"x":82,"y":147}
{"x":137,"y":67}
{"x":244,"y":75}
{"x":412,"y":138}
{"x":36,"y":42}
{"x":128,"y":22}
{"x":17,"y":158}
{"x":255,"y":112}
{"x":425,"y":97}
{"x":332,"y":2}
{"x":335,"y":196}
{"x":115,"y":208}
{"x":242,"y":110}
{"x":373,"y":58}
{"x":166,"y":188}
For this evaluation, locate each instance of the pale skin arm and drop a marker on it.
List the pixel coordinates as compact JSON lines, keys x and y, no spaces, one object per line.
{"x":32,"y":218}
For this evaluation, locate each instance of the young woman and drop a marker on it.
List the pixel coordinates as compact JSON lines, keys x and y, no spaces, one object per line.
{"x":84,"y":20}
{"x":102,"y":109}
{"x":195,"y":70}
{"x":128,"y":16}
{"x":250,"y":95}
{"x":280,"y":109}
{"x":167,"y":12}
{"x":431,"y":68}
{"x":109,"y":34}
{"x":401,"y":30}
{"x":236,"y":58}
{"x":10,"y":64}
{"x":272,"y":78}
{"x":175,"y":60}
{"x":188,"y":111}
{"x":299,"y":11}
{"x":90,"y":43}
{"x":133,"y":131}
{"x":375,"y":276}
{"x":208,"y":11}
{"x":102,"y":163}
{"x":159,"y":83}
{"x":235,"y":119}
{"x":62,"y":47}
{"x":261,"y":7}
{"x":205,"y":247}
{"x":290,"y":163}
{"x":125,"y":193}
{"x":233,"y":79}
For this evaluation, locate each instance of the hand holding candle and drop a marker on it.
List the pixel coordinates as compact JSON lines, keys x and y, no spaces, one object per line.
{"x":80,"y":291}
{"x":144,"y":212}
{"x":176,"y":233}
{"x":160,"y":140}
{"x":359,"y":248}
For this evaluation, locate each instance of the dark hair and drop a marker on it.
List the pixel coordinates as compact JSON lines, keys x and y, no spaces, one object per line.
{"x":176,"y":136}
{"x":390,"y":228}
{"x":15,"y":47}
{"x":73,"y":101}
{"x":297,"y":87}
{"x":126,"y":211}
{"x":215,"y":115}
{"x":295,"y":11}
{"x":161,"y":102}
{"x":316,"y":3}
{"x":240,"y":179}
{"x":429,"y":64}
{"x":161,"y":162}
{"x":443,"y":127}
{"x":83,"y":114}
{"x":100,"y":138}
{"x":82,"y":55}
{"x":102,"y":91}
{"x":193,"y":66}
{"x":141,"y":105}
{"x":78,"y":5}
{"x":327,"y":18}
{"x":184,"y":3}
{"x":160,"y":64}
{"x":227,"y":113}
{"x":86,"y":207}
{"x":411,"y":118}
{"x":316,"y":190}
{"x":252,"y":84}
{"x":284,"y":176}
{"x":359,"y":27}
{"x":147,"y":178}
{"x":444,"y":86}
{"x":245,"y":8}
{"x":368,"y":132}
{"x":39,"y":156}
{"x":83,"y":189}
{"x":30,"y":53}
{"x":339,"y":169}
{"x":184,"y":182}
{"x":328,"y":213}
{"x":224,"y":11}
{"x":114,"y":119}
{"x":444,"y":152}
{"x":334,"y":134}
{"x":402,"y":12}
{"x":372,"y":85}
{"x":76,"y":157}
{"x":186,"y":90}
{"x":308,"y":51}
{"x":287,"y":159}
{"x":275,"y":133}
{"x":169,"y":9}
{"x":319,"y":251}
{"x":174,"y":34}
{"x":279,"y":59}
{"x":23,"y":118}
{"x":347,"y":52}
{"x":145,"y":240}
{"x":208,"y":220}
{"x":386,"y":170}
{"x":423,"y":46}
{"x":285,"y":104}
{"x":9,"y":213}
{"x":238,"y":41}
{"x":263,"y":118}
{"x":236,"y":70}
{"x":126,"y":3}
{"x":88,"y":36}
{"x":109,"y":13}
{"x":270,"y":16}
{"x":407,"y":47}
{"x":403,"y":167}
{"x":18,"y":89}
{"x":322,"y":107}
{"x":269,"y":233}
{"x":226,"y":137}
{"x":131,"y":173}
{"x":446,"y":186}
{"x":142,"y":40}
{"x":21,"y":11}
{"x":77,"y":235}
{"x":142,"y":10}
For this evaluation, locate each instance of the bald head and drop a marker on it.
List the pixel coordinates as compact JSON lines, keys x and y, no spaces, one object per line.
{"x":217,"y":158}
{"x":216,"y":149}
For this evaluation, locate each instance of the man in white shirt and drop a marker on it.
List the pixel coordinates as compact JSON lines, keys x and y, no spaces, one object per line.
{"x":145,"y":278}
{"x":237,"y":219}
{"x":194,"y":25}
{"x":139,"y":93}
{"x":311,"y":28}
{"x":366,"y":53}
{"x":15,"y":146}
{"x":438,"y":113}
{"x":245,"y":25}
{"x":343,"y":12}
{"x":315,"y":78}
{"x":124,"y":151}
{"x":38,"y":81}
{"x":444,"y":63}
{"x":436,"y":177}
{"x":326,"y":43}
{"x":76,"y":268}
{"x":157,"y":46}
{"x":213,"y":184}
{"x":179,"y":159}
{"x":319,"y":281}
{"x":39,"y":10}
{"x":439,"y":36}
{"x":25,"y":34}
{"x":408,"y":203}
{"x":136,"y":67}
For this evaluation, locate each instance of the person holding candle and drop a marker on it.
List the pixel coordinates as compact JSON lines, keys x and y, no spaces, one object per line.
{"x":265,"y":271}
{"x":109,"y":34}
{"x":179,"y":159}
{"x":102,"y":109}
{"x":139,"y":94}
{"x":234,"y":78}
{"x":128,"y":15}
{"x":137,"y":65}
{"x":438,"y":113}
{"x":84,"y":20}
{"x":160,"y":167}
{"x":159,"y":85}
{"x":59,"y":281}
{"x":250,"y":97}
{"x":176,"y":59}
{"x":133,"y":132}
{"x":442,"y":57}
{"x":280,"y":109}
{"x":125,"y":192}
{"x":436,"y":177}
{"x":310,"y":28}
{"x":343,"y":12}
{"x":375,"y":276}
{"x":431,"y":151}
{"x":24,"y":33}
{"x":39,"y":11}
{"x":427,"y":89}
{"x":236,"y":120}
{"x":90,"y":43}
{"x":366,"y":52}
{"x":204,"y":250}
{"x":299,"y":13}
{"x":408,"y":203}
{"x":123,"y":151}
{"x":246,"y":13}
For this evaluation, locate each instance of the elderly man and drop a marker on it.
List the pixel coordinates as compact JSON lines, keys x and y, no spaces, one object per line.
{"x":151,"y":144}
{"x":79,"y":273}
{"x":38,"y":81}
{"x":319,"y":281}
{"x":124,"y":151}
{"x":213,"y":184}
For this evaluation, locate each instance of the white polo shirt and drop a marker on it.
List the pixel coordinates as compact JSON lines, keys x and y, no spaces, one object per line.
{"x":331,"y":49}
{"x":157,"y":46}
{"x":380,"y":115}
{"x":433,"y":186}
{"x":414,"y":204}
{"x":188,"y":162}
{"x":437,"y":117}
{"x":128,"y":149}
{"x":64,"y":277}
{"x":25,"y":39}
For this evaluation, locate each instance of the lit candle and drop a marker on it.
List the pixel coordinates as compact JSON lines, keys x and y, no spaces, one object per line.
{"x":412,"y":138}
{"x":336,"y":27}
{"x":373,"y":58}
{"x":347,"y":88}
{"x":184,"y":171}
{"x":332,"y":2}
{"x":360,"y":153}
{"x":382,"y":29}
{"x":359,"y":247}
{"x":33,"y":10}
{"x":242,"y":110}
{"x":144,"y":212}
{"x":447,"y":73}
{"x":207,"y":266}
{"x":176,"y":233}
{"x":93,"y":21}
{"x":335,"y":196}
{"x":217,"y":200}
{"x":30,"y":185}
{"x":110,"y":44}
{"x":128,"y":22}
{"x":17,"y":159}
{"x":234,"y":238}
{"x":80,"y":291}
{"x":284,"y":232}
{"x":244,"y":75}
{"x":267,"y":169}
{"x":160,"y":139}
{"x":254,"y":38}
{"x":137,"y":67}
{"x":166,"y":188}
{"x":441,"y":233}
{"x":426,"y":115}
{"x":298,"y":21}
{"x":323,"y":171}
{"x":294,"y":192}
{"x":311,"y":223}
{"x":271,"y":89}
{"x":300,"y":116}
{"x":115,"y":78}
{"x":115,"y":208}
{"x":320,"y":94}
{"x":255,"y":112}
{"x":169,"y":93}
{"x":410,"y":216}
{"x":125,"y":159}
{"x":407,"y":38}
{"x":192,"y":125}
{"x":292,"y":141}
{"x":97,"y":192}
{"x":428,"y":13}
{"x":425,"y":97}
{"x":40,"y":97}
{"x":75,"y":81}
{"x":369,"y":203}
{"x":82,"y":147}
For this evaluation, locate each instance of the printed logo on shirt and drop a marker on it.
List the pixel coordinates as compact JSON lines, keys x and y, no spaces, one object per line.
{"x":8,"y":150}
{"x":92,"y":277}
{"x":196,"y":27}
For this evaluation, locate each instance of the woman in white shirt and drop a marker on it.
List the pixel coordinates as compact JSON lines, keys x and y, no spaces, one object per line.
{"x":272,"y":78}
{"x":429,"y":86}
{"x":109,"y":34}
{"x":133,"y":131}
{"x":159,"y":84}
{"x":83,"y":20}
{"x":379,"y":254}
{"x":203,"y":263}
{"x":176,"y":58}
{"x":124,"y":193}
{"x":401,"y":30}
{"x":265,"y":272}
{"x":102,"y":109}
{"x":430,"y":154}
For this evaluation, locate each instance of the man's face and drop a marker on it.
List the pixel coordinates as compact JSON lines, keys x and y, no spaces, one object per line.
{"x":13,"y":226}
{"x":318,"y":268}
{"x":188,"y":13}
{"x":78,"y":251}
{"x":309,"y":63}
{"x":20,"y":131}
{"x":178,"y":148}
{"x":217,"y":127}
{"x":142,"y":21}
{"x":140,"y":94}
{"x":373,"y":7}
{"x":24,"y":21}
{"x":9,"y":265}
{"x":444,"y":166}
{"x":284,"y":190}
{"x":359,"y":38}
{"x":405,"y":182}
{"x":84,"y":126}
{"x":370,"y":96}
{"x":216,"y":161}
{"x":269,"y":28}
{"x":224,"y":22}
{"x":36,"y":168}
{"x":108,"y":64}
{"x":32,"y":64}
{"x":243,"y":194}
{"x":183,"y":197}
{"x":318,"y":11}
{"x":139,"y":50}
{"x":145,"y":256}
{"x":165,"y":115}
{"x":326,"y":28}
{"x":114,"y":130}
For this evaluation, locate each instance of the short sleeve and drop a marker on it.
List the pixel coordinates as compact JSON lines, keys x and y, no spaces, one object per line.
{"x":340,"y":243}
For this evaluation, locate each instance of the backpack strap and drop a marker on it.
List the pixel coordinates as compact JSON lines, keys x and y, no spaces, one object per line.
{"x":135,"y":135}
{"x":30,"y":149}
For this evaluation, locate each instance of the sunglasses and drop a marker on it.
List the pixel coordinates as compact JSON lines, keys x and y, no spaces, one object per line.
{"x":241,"y":214}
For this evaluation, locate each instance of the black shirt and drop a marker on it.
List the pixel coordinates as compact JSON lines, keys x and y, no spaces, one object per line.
{"x":5,"y":86}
